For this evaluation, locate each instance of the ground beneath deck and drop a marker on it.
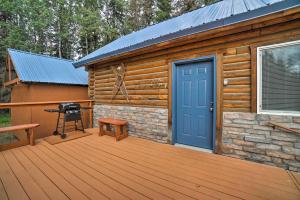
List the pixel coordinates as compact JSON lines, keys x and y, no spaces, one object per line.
{"x":95,"y":167}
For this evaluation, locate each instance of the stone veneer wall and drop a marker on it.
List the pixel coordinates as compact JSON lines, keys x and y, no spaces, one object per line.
{"x":247,"y":136}
{"x":149,"y":123}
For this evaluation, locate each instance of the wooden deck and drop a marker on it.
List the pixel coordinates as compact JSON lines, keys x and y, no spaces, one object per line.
{"x":99,"y":168}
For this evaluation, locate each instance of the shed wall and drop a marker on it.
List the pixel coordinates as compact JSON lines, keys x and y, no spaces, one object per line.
{"x":43,"y":93}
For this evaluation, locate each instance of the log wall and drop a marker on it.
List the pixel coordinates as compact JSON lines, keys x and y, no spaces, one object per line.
{"x":237,"y":73}
{"x":148,"y":76}
{"x":146,"y":84}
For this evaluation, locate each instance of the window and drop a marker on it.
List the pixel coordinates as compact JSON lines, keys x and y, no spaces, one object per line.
{"x":278,"y":80}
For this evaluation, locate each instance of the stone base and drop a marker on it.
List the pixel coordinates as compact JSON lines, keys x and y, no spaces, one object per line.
{"x":149,"y":123}
{"x":247,"y":136}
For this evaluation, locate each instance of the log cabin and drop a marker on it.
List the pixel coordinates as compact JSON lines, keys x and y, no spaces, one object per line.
{"x":39,"y":78}
{"x":224,"y":78}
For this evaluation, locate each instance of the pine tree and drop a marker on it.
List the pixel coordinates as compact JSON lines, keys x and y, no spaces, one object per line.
{"x":13,"y":32}
{"x":88,"y":25}
{"x":133,"y":18}
{"x":62,"y":28}
{"x":114,"y":20}
{"x":164,"y":9}
{"x":74,"y":28}
{"x":148,"y":13}
{"x":37,"y":20}
{"x":183,"y":6}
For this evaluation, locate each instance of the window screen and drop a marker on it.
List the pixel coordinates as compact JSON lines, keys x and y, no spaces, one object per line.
{"x":280,"y":78}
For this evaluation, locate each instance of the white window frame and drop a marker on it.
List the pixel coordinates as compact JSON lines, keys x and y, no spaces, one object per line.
{"x":259,"y":81}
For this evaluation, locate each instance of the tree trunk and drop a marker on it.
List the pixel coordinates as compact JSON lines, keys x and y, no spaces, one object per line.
{"x":86,"y":45}
{"x":59,"y":41}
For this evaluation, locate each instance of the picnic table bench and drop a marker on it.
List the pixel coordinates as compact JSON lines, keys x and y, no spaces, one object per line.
{"x":27,"y":127}
{"x":120,"y":127}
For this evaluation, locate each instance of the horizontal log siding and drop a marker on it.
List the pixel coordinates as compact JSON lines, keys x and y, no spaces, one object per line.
{"x":237,"y":72}
{"x":146,"y":84}
{"x":146,"y":77}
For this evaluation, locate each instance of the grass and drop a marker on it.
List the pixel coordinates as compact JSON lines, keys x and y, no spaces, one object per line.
{"x":6,"y":138}
{"x":4,"y":119}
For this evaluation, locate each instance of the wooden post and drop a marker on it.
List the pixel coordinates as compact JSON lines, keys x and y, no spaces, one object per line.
{"x":170,"y":78}
{"x":219,"y":101}
{"x":30,"y":136}
{"x":9,"y":68}
{"x":125,"y":130}
{"x":253,"y":51}
{"x":118,"y":132}
{"x":101,"y":131}
{"x":91,"y":114}
{"x":32,"y":141}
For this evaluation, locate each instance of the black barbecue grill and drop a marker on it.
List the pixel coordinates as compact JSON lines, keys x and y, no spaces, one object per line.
{"x":67,"y":112}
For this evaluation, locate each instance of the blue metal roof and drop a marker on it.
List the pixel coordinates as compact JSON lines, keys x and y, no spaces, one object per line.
{"x":38,"y":68}
{"x":220,"y":14}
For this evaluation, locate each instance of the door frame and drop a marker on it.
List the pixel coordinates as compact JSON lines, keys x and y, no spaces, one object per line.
{"x":212,"y":59}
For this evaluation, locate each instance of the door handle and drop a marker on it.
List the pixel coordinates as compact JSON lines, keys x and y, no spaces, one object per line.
{"x":211,"y":106}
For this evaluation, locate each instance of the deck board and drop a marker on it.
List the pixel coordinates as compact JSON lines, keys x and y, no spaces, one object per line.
{"x":154,"y":175}
{"x":131,"y":182}
{"x":3,"y":194}
{"x":151,"y":182}
{"x":95,"y":167}
{"x":207,"y":179}
{"x":296,"y":178}
{"x":60,"y":182}
{"x":107,"y":183}
{"x":11,"y":184}
{"x":42,"y":180}
{"x":229,"y":172}
{"x":30,"y":186}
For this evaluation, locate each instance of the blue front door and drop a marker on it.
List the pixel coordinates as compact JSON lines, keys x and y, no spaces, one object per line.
{"x":194,"y":103}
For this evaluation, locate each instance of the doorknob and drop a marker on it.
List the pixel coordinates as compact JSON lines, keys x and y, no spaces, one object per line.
{"x":211,"y":106}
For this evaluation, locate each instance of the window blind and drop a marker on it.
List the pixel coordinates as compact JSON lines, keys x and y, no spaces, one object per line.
{"x":281,"y":78}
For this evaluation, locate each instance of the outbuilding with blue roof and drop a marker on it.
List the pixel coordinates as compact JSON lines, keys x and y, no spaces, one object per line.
{"x":36,"y":68}
{"x":41,"y":78}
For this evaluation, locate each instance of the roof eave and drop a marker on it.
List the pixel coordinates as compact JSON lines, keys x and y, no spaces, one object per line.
{"x":260,"y":12}
{"x":53,"y":83}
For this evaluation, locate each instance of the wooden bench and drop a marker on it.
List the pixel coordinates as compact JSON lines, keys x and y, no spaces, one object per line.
{"x":27,"y":127}
{"x":120,"y":128}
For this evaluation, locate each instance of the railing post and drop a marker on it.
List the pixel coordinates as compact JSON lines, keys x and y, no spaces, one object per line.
{"x":91,"y":114}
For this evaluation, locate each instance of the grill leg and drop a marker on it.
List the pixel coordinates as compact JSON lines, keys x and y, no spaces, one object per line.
{"x":63,"y":135}
{"x":56,"y":130}
{"x":82,"y":125}
{"x":75,"y":123}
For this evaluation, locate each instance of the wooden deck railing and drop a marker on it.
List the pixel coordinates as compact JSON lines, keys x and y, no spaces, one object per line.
{"x":44,"y":103}
{"x":41,"y":103}
{"x":48,"y":103}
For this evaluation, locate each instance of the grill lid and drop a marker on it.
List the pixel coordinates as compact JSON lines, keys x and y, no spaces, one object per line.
{"x":63,"y":107}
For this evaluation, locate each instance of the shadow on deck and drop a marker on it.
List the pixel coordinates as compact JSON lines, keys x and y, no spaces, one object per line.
{"x":95,"y":167}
